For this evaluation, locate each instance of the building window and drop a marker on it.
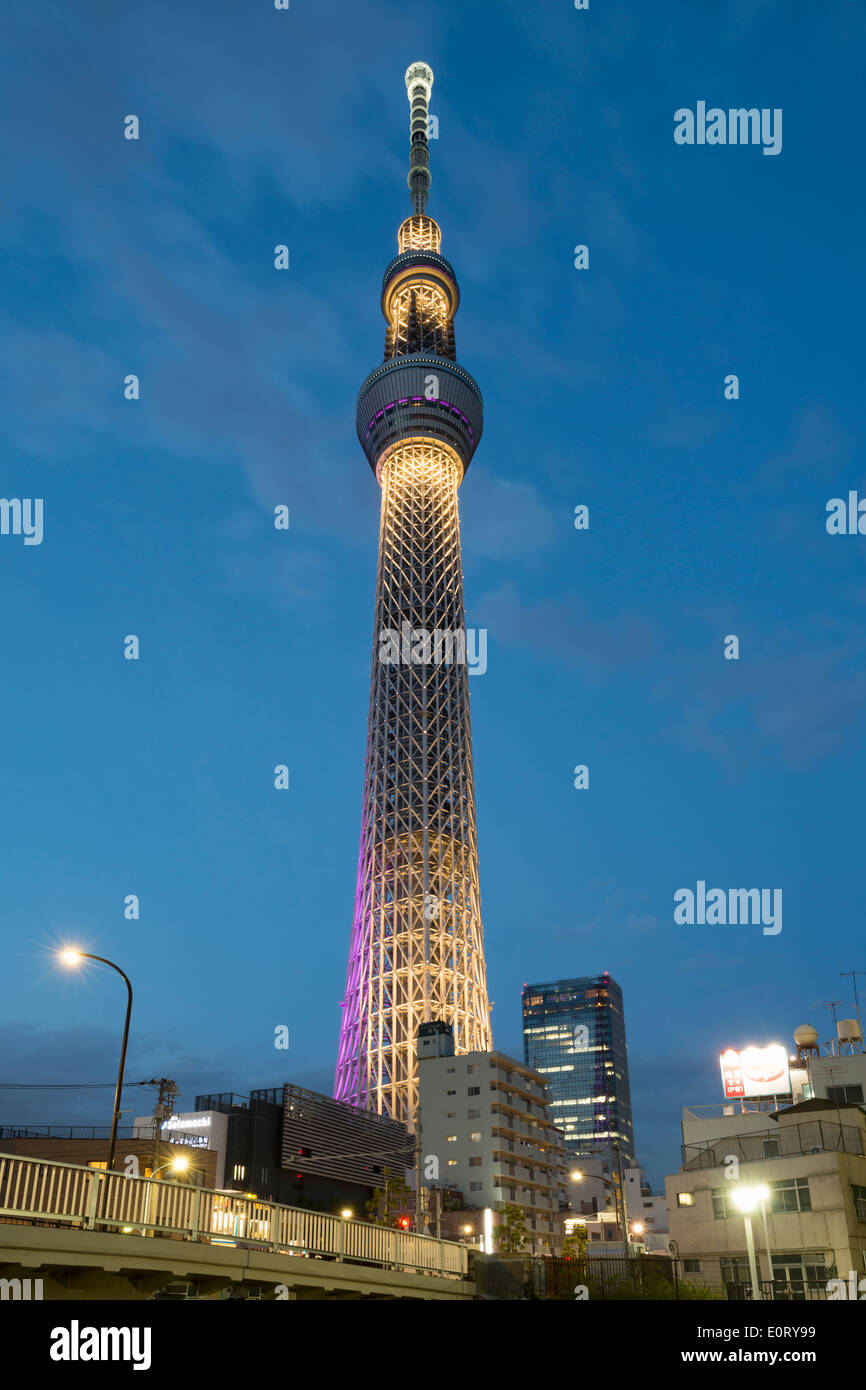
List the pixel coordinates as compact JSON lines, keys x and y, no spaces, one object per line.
{"x":450,"y":1093}
{"x":100,"y":1164}
{"x":452,"y":1163}
{"x":735,"y":1271}
{"x":845,"y":1095}
{"x":449,"y":1071}
{"x":860,"y":1205}
{"x":685,"y":1199}
{"x":771,"y":1147}
{"x":473,"y":1114}
{"x":472,"y":1069}
{"x":803,"y":1267}
{"x":720,"y":1204}
{"x":452,"y":1115}
{"x":239,"y":1172}
{"x":476,"y":1186}
{"x":792,"y":1194}
{"x":475,"y":1163}
{"x":473,"y":1090}
{"x":450,"y":1138}
{"x":691,"y":1266}
{"x":475,"y":1136}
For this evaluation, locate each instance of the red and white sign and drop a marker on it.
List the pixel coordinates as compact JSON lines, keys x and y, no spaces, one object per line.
{"x":756,"y":1071}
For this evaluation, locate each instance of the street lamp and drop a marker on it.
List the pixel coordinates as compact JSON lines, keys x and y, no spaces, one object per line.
{"x":746,"y":1199}
{"x":71,"y":958}
{"x":578,"y":1176}
{"x":179,"y":1164}
{"x":347,"y":1213}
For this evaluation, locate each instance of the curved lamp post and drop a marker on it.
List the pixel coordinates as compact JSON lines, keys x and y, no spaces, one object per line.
{"x":179,"y":1163}
{"x":577,"y":1176}
{"x":72,"y":957}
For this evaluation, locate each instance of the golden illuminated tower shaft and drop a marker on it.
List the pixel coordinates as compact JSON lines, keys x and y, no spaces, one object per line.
{"x":416,"y":953}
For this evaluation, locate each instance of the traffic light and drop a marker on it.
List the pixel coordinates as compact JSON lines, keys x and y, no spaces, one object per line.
{"x":405,"y":1223}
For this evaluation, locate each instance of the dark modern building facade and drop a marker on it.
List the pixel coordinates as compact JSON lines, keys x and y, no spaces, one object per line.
{"x":294,"y":1146}
{"x":574,"y":1035}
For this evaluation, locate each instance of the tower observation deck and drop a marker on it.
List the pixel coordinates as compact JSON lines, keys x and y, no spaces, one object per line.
{"x":416,"y":953}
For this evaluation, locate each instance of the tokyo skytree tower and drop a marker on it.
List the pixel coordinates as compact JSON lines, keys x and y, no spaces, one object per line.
{"x":416,"y":953}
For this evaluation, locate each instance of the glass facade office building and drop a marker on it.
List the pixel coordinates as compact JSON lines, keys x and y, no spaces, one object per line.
{"x":574,"y":1034}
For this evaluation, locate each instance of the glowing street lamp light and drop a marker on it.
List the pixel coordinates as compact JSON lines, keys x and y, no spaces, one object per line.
{"x":179,"y":1164}
{"x":347,"y":1213}
{"x":72,"y":957}
{"x":747,"y":1199}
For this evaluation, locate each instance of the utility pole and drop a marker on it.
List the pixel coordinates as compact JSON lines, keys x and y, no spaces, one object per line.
{"x":622,"y":1204}
{"x":831,"y":1005}
{"x":163,"y":1108}
{"x":418,"y":1203}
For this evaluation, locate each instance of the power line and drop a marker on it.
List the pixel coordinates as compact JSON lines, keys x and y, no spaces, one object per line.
{"x":67,"y":1085}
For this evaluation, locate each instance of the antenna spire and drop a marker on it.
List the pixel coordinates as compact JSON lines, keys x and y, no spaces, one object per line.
{"x":419,"y":84}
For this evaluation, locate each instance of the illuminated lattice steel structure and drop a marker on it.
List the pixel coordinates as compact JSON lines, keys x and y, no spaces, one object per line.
{"x":417,"y":952}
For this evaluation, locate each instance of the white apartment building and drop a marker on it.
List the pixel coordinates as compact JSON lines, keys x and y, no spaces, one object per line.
{"x":485,"y":1119}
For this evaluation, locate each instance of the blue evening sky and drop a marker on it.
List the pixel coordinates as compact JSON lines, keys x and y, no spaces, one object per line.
{"x":602,"y":386}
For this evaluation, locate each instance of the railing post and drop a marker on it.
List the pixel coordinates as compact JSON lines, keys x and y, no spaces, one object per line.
{"x":393,"y":1249}
{"x":342,"y":1249}
{"x":275,"y":1222}
{"x":93,"y":1199}
{"x":196,"y":1215}
{"x":442,"y":1257}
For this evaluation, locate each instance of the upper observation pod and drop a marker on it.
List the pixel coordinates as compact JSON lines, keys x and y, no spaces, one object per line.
{"x":419,"y":392}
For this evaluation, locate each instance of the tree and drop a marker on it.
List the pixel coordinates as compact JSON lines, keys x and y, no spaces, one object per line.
{"x":390,"y":1202}
{"x":574,"y":1246}
{"x":512,"y":1233}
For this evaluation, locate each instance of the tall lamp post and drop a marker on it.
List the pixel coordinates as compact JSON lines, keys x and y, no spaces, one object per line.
{"x":763,"y":1198}
{"x":72,"y":957}
{"x":747,"y":1199}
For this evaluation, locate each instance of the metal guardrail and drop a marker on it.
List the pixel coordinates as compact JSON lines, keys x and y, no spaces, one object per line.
{"x":782,"y":1291}
{"x":784,"y":1141}
{"x":36,"y":1191}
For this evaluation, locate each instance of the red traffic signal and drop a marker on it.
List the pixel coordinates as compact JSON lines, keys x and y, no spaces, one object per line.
{"x":404,"y":1223}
